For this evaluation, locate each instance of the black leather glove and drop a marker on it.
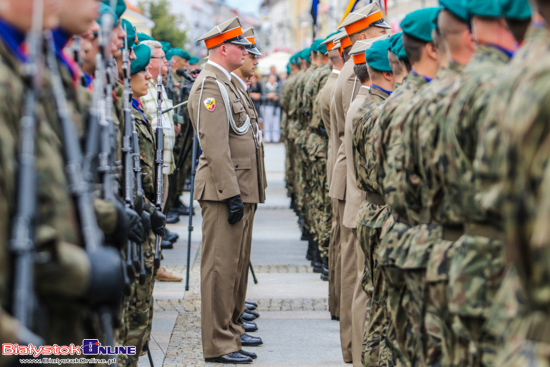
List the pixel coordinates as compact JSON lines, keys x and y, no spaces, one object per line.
{"x":120,"y":235}
{"x":158,"y":221}
{"x":236,"y":209}
{"x":146,"y":223}
{"x":106,"y":278}
{"x":136,"y":227}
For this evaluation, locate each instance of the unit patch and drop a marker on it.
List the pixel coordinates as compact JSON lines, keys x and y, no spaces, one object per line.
{"x":210,"y":104}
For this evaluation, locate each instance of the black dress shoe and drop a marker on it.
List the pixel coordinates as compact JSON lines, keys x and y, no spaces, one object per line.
{"x":324,"y":277}
{"x":172,"y":217}
{"x":250,"y":341}
{"x":249,"y":327}
{"x":171,"y":236}
{"x":335,"y":318}
{"x":251,"y":305}
{"x":231,"y":358}
{"x":254,"y":313}
{"x":248,"y":354}
{"x":248,"y":316}
{"x":166,"y":245}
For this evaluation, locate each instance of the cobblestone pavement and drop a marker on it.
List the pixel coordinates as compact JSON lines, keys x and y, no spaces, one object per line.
{"x":294,"y":324}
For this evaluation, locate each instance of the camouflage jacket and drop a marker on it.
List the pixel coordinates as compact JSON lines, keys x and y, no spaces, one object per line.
{"x":419,"y":140}
{"x":362,"y":141}
{"x":146,"y":152}
{"x":467,"y":106}
{"x":65,"y":275}
{"x":490,"y":161}
{"x":527,"y":204}
{"x":388,"y":142}
{"x":312,"y":87}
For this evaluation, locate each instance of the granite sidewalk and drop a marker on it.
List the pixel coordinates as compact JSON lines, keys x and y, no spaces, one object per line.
{"x":295,"y":323}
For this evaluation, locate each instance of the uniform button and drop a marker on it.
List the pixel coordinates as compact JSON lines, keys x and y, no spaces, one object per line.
{"x":236,"y":166}
{"x":221,"y":191}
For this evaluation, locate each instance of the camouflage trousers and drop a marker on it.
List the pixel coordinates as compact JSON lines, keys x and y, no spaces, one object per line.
{"x":414,"y":252}
{"x":372,"y":282}
{"x":319,"y":203}
{"x":441,"y":344}
{"x":475,"y":275}
{"x":139,"y":315}
{"x":394,"y":288}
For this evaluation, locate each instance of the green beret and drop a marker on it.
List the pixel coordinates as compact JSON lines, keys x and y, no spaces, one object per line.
{"x":288,"y":68}
{"x":456,"y":8}
{"x":166,"y":46}
{"x":377,"y":55}
{"x":120,"y":7}
{"x":396,"y":46}
{"x":130,"y":32}
{"x":104,"y":9}
{"x":194,"y":60}
{"x":316,"y":44}
{"x":143,"y":57}
{"x":144,"y":37}
{"x":483,"y":8}
{"x":419,"y":24}
{"x":304,"y":54}
{"x":178,"y":52}
{"x":294,"y":59}
{"x":515,"y":9}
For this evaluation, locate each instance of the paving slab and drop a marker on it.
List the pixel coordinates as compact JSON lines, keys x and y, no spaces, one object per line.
{"x":295,"y":323}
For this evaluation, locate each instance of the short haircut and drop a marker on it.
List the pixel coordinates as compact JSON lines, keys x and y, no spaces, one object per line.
{"x":518,"y":28}
{"x":396,"y":65}
{"x":452,"y":29}
{"x":346,"y":51}
{"x":544,"y":9}
{"x":413,"y":47}
{"x":153,"y":45}
{"x":440,"y":44}
{"x":361,"y":72}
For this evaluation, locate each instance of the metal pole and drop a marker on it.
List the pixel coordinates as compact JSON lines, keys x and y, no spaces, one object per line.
{"x":190,"y":226}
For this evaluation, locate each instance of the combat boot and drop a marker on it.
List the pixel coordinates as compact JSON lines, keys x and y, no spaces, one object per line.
{"x":317,"y":262}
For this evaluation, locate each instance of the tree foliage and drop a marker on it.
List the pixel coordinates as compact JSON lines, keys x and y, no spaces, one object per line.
{"x":167,"y":25}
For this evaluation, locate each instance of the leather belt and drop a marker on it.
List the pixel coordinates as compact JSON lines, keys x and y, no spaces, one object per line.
{"x":425,"y":216}
{"x":483,"y":230}
{"x":452,"y":233}
{"x":375,"y":198}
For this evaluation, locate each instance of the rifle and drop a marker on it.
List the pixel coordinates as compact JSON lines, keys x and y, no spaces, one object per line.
{"x":159,"y":164}
{"x":91,"y":234}
{"x":22,"y":241}
{"x":170,"y":81}
{"x":134,"y":260}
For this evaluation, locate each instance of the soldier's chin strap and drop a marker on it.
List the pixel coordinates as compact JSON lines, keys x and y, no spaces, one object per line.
{"x":230,"y":121}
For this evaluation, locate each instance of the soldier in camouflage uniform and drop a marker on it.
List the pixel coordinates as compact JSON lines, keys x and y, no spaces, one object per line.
{"x":419,"y":134}
{"x":141,"y":300}
{"x":180,"y":60}
{"x":286,"y":92}
{"x":382,"y":82}
{"x":63,"y":281}
{"x":291,"y":133}
{"x":315,"y":155}
{"x":299,"y":133}
{"x":498,"y":172}
{"x":396,"y":235}
{"x":313,"y":85}
{"x":477,"y":264}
